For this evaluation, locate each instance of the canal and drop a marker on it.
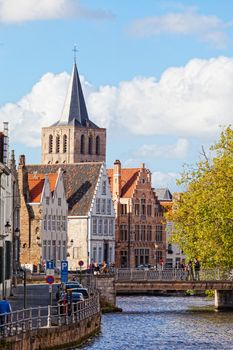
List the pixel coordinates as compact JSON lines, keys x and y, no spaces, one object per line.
{"x":164,"y":323}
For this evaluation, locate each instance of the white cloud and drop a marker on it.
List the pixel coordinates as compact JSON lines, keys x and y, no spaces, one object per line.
{"x":177,"y":150}
{"x":29,"y":10}
{"x":160,"y":180}
{"x":187,"y":101}
{"x":207,"y":28}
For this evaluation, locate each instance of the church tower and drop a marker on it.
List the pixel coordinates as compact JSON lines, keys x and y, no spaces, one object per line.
{"x":74,"y":138}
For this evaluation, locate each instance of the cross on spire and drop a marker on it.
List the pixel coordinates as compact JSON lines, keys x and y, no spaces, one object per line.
{"x":75,"y":52}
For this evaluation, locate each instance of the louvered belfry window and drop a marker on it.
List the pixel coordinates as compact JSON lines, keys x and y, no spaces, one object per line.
{"x":64,"y":143}
{"x":50,"y":143}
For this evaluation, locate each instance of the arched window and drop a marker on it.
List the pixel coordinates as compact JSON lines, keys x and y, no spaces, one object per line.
{"x":64,"y":143}
{"x":57,"y":144}
{"x":50,"y":143}
{"x":97,"y":145}
{"x":82,"y":144}
{"x":90,"y":145}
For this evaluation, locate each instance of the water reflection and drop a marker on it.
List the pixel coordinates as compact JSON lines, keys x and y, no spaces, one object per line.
{"x":165,"y":323}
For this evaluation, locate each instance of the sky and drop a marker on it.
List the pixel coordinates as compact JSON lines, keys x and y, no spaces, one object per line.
{"x":157,"y":74}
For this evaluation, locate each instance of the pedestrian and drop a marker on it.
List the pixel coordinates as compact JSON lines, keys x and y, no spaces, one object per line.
{"x":96,"y":269}
{"x":190,"y":275}
{"x":5,"y":310}
{"x":197,"y":267}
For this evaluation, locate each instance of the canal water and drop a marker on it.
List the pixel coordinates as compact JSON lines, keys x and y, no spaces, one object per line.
{"x":164,"y":323}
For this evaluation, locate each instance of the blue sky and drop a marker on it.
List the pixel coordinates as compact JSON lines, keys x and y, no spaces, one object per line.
{"x":157,"y":74}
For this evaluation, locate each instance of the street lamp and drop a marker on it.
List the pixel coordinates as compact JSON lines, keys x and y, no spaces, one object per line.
{"x":2,"y":237}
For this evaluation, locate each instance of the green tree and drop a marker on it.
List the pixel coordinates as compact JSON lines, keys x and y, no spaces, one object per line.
{"x":203,"y":214}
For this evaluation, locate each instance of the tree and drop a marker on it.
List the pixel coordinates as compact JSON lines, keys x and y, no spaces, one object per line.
{"x":203,"y":214}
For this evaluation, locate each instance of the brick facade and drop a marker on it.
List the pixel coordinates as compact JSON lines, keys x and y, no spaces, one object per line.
{"x":140,"y":232}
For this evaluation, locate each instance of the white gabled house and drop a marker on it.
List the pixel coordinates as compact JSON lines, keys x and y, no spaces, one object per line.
{"x":91,"y":216}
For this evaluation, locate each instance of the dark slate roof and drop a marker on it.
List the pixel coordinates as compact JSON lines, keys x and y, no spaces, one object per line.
{"x":75,"y":110}
{"x":163,"y":194}
{"x":80,"y":181}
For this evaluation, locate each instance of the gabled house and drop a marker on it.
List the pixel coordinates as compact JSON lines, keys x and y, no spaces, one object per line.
{"x":140,"y":232}
{"x":91,"y":216}
{"x":43,"y":220}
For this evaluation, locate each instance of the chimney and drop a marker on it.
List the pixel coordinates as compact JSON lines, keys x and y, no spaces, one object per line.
{"x":117,"y":179}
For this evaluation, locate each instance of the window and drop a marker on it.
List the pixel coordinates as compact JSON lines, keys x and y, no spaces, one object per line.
{"x":59,"y":202}
{"x":137,"y":231}
{"x":97,"y":205}
{"x":110,"y":255}
{"x":123,"y":209}
{"x":53,"y":223}
{"x":97,"y":145}
{"x":123,"y":232}
{"x":82,"y":148}
{"x":44,"y":257}
{"x":49,"y":250}
{"x":59,"y":251}
{"x":105,"y":226}
{"x":104,"y":187}
{"x":90,"y":145}
{"x":64,"y":143}
{"x":100,"y":255}
{"x":149,"y":211}
{"x":143,"y":206}
{"x":143,"y":233}
{"x":45,"y":222}
{"x":103,"y":206}
{"x":137,"y":209}
{"x":141,"y":256}
{"x":50,"y":143}
{"x":58,"y":223}
{"x":54,"y":251}
{"x":159,"y":233}
{"x":149,"y":233}
{"x":94,"y":226}
{"x":47,"y":200}
{"x":94,"y":254}
{"x":100,"y":224}
{"x":111,"y":223}
{"x":57,"y":144}
{"x":49,"y":222}
{"x":169,"y":248}
{"x":109,"y":206}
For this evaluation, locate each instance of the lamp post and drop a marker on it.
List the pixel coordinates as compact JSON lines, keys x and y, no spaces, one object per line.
{"x":2,"y":237}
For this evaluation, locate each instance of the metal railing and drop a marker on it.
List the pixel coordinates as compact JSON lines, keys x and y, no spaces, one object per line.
{"x":21,"y":321}
{"x":171,"y":275}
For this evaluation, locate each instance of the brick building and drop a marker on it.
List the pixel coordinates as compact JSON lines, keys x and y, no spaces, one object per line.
{"x":74,"y":138}
{"x":43,"y":219}
{"x":140,"y":232}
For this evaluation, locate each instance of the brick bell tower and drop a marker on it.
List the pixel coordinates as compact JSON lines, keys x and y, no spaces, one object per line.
{"x":74,"y":138}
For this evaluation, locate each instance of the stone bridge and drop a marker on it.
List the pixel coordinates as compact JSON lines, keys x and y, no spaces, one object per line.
{"x":132,"y":281}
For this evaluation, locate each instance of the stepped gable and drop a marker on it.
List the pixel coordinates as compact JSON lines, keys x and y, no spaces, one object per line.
{"x":128,"y":180}
{"x":36,"y":185}
{"x":80,"y":181}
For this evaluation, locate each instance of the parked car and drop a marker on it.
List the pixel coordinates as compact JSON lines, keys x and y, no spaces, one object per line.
{"x":75,"y":296}
{"x":83,"y":291}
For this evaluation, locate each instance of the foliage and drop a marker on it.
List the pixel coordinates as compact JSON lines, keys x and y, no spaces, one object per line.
{"x":209,"y":293}
{"x":203,"y":214}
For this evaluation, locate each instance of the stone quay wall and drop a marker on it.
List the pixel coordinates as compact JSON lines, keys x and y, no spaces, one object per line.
{"x":58,"y":337}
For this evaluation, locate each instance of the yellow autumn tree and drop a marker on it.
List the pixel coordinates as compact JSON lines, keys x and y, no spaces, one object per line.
{"x":203,"y":214}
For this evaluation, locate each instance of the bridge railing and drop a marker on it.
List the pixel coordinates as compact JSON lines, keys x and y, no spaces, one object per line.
{"x":22,"y":321}
{"x":169,"y":275}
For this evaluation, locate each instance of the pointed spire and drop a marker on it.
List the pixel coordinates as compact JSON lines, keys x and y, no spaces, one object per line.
{"x":74,"y":110}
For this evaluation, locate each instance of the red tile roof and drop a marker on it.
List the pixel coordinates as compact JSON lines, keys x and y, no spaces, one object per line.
{"x":36,"y":185}
{"x":128,"y":181}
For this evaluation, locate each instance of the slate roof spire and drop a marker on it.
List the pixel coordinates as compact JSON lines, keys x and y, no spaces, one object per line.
{"x":75,"y":110}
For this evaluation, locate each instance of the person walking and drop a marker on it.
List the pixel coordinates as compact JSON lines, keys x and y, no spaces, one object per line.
{"x":190,"y":275}
{"x":5,"y":310}
{"x":197,"y":267}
